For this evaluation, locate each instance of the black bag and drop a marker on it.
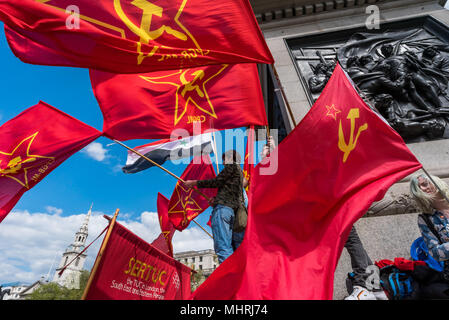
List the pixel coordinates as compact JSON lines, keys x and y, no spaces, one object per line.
{"x":398,"y":284}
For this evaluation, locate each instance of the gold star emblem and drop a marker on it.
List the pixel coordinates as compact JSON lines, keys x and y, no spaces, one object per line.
{"x":191,"y":88}
{"x":155,"y":22}
{"x":165,"y":233}
{"x":16,"y":164}
{"x":332,"y":112}
{"x":185,"y":204}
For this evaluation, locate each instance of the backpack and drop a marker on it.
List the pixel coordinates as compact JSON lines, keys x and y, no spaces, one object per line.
{"x":398,"y":284}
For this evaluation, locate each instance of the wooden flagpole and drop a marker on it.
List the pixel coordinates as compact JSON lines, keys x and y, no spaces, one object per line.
{"x":170,"y":173}
{"x":203,"y":229}
{"x":100,"y":254}
{"x":160,"y":167}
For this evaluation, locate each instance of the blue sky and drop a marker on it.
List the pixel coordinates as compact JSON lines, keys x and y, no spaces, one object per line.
{"x":65,"y":195}
{"x":80,"y":180}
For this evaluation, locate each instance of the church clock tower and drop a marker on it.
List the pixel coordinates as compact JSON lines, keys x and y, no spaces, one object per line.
{"x":71,"y":275}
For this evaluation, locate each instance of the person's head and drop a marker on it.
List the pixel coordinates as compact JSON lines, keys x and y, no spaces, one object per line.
{"x":365,"y":59}
{"x":320,"y":68}
{"x":352,"y":61}
{"x":425,"y":192}
{"x":387,"y":49}
{"x":430,"y":52}
{"x":231,"y":156}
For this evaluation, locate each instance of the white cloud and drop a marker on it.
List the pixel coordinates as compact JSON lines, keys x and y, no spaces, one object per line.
{"x":54,"y":210}
{"x":117,"y":168}
{"x":96,"y":151}
{"x":191,"y":239}
{"x":30,"y":243}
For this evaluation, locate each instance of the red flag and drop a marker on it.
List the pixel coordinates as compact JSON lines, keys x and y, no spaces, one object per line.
{"x":186,"y":204}
{"x":32,"y":145}
{"x":132,"y":269}
{"x":163,"y":242}
{"x":330,"y":168}
{"x":248,"y":163}
{"x":126,"y":36}
{"x":152,"y":105}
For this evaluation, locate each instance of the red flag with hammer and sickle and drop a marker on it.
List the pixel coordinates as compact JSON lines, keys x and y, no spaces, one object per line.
{"x":305,"y":197}
{"x":163,"y":242}
{"x":185,"y":203}
{"x":133,"y":36}
{"x":152,"y":105}
{"x":32,"y":145}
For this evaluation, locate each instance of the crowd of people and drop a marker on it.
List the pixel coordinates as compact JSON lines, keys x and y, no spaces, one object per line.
{"x":425,"y":281}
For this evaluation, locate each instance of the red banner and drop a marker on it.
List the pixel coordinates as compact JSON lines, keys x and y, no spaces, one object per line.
{"x":185,"y":203}
{"x":32,"y":145}
{"x":305,"y":197}
{"x":152,"y":105}
{"x":132,"y":269}
{"x":163,"y":242}
{"x":126,"y":36}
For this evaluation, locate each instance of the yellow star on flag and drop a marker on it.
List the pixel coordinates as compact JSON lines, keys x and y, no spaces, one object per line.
{"x":332,"y":111}
{"x":154,"y":23}
{"x":191,"y":88}
{"x":165,"y":233}
{"x":185,"y":203}
{"x":15,"y":164}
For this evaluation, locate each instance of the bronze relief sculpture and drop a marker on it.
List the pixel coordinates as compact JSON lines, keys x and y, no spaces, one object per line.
{"x":404,"y":74}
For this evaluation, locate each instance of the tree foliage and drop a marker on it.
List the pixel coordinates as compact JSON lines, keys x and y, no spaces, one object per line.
{"x":53,"y":291}
{"x":196,"y":279}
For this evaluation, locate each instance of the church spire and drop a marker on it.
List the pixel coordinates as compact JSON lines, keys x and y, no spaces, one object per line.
{"x":70,"y":277}
{"x":85,"y":226}
{"x":81,"y":235}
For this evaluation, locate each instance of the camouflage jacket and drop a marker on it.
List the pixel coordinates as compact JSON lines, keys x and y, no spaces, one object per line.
{"x":438,"y":251}
{"x":229,"y":185}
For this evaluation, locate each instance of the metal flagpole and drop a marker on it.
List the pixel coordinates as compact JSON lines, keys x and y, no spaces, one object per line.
{"x":211,"y":124}
{"x":54,"y":259}
{"x":100,"y":254}
{"x":215,"y":151}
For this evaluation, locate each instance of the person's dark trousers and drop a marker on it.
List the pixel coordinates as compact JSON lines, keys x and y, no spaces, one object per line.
{"x":359,"y":260}
{"x":237,"y":238}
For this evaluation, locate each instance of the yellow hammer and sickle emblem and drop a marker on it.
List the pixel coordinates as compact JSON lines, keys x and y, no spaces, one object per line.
{"x":347,"y":148}
{"x":187,"y":202}
{"x":144,"y":31}
{"x":189,"y":85}
{"x":15,"y":165}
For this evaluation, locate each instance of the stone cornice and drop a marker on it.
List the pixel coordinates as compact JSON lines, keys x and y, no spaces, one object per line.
{"x":268,"y":10}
